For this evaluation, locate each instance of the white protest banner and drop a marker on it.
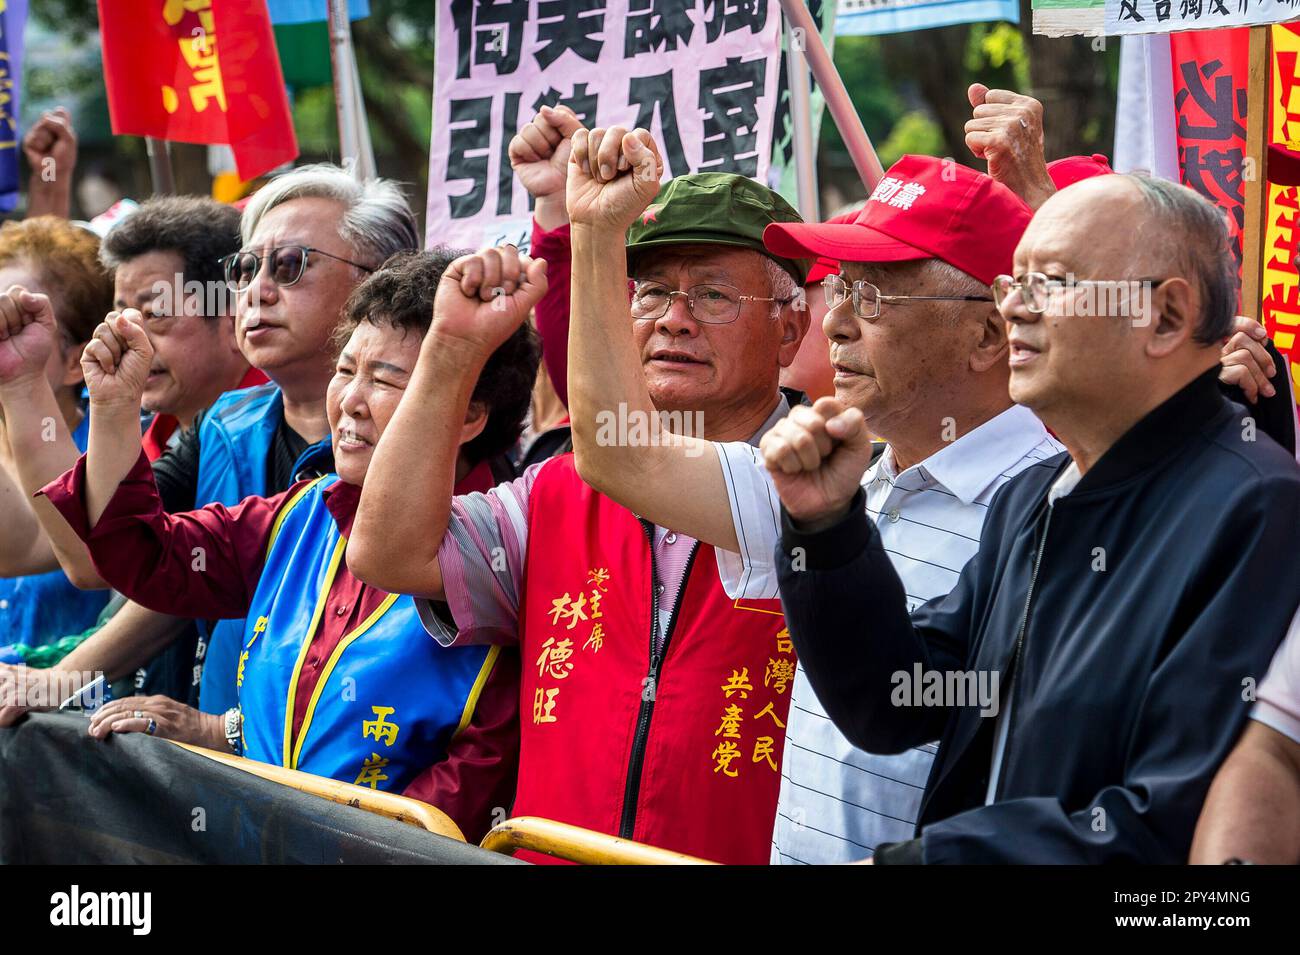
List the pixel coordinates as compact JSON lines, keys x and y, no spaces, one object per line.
{"x":1167,"y":16}
{"x":701,"y":75}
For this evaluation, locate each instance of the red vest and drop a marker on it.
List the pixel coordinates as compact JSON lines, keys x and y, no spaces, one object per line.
{"x":683,"y":753}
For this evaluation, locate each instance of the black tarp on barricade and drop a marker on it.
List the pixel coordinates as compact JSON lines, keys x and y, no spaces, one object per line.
{"x":68,"y":799}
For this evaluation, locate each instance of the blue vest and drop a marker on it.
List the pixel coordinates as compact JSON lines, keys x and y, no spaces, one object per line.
{"x":389,"y":698}
{"x":41,"y":608}
{"x":235,"y":440}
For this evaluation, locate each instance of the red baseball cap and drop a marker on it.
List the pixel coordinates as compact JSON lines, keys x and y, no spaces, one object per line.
{"x":922,"y":208}
{"x":1072,"y":169}
{"x":824,"y":265}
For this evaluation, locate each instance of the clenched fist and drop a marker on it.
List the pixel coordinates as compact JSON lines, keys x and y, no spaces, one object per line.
{"x":483,"y":298}
{"x":1006,"y":131}
{"x":613,"y":176}
{"x":116,"y":361}
{"x":52,"y":138}
{"x":817,"y":457}
{"x":28,"y":335}
{"x":539,"y":152}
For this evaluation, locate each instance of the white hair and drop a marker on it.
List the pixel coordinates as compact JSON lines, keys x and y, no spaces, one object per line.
{"x":377,"y":220}
{"x":781,"y":283}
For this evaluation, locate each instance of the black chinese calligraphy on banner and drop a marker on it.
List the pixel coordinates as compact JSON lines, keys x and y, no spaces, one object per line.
{"x":701,"y":75}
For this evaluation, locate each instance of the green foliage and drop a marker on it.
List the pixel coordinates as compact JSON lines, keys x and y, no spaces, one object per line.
{"x":915,"y":132}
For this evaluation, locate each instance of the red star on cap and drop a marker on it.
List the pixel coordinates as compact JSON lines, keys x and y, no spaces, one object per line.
{"x":650,"y":215}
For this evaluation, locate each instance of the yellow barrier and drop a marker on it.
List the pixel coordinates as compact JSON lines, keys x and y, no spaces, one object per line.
{"x":576,"y":844}
{"x":410,"y":811}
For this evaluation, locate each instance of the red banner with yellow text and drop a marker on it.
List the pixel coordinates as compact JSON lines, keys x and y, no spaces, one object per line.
{"x":198,"y":71}
{"x":1281,"y":285}
{"x":1210,"y":111}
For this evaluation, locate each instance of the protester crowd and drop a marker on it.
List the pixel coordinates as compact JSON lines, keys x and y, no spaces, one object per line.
{"x":957,"y":528}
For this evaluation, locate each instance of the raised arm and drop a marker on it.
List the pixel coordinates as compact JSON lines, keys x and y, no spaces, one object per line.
{"x":539,"y":156}
{"x":406,"y":499}
{"x":51,"y":150}
{"x":835,"y":576}
{"x":116,"y":365}
{"x":613,"y":176}
{"x":33,"y":538}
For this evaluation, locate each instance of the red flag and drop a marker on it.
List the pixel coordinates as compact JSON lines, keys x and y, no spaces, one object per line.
{"x":1210,"y":69}
{"x":198,"y":71}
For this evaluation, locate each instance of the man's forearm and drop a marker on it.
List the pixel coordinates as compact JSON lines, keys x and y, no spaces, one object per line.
{"x":406,"y":499}
{"x":42,"y":449}
{"x":832,"y":582}
{"x":130,"y":639}
{"x":1252,"y":811}
{"x":604,"y":372}
{"x":607,"y":386}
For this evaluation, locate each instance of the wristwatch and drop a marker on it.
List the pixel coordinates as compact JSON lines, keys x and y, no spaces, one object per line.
{"x":232,"y":726}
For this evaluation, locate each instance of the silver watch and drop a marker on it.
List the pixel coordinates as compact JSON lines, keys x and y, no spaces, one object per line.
{"x":232,"y":726}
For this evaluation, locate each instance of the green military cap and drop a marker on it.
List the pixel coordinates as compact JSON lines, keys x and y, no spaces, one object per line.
{"x":714,"y":208}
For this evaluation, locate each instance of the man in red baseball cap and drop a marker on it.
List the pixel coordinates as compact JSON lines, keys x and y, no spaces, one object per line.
{"x":919,"y":348}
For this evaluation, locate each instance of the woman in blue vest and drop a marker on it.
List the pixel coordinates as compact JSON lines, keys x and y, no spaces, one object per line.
{"x":57,"y":264}
{"x":334,"y":677}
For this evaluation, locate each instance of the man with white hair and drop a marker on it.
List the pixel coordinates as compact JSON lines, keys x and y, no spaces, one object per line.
{"x":309,"y":238}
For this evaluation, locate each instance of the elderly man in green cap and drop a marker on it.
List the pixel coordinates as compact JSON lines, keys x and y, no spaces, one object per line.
{"x":653,"y":706}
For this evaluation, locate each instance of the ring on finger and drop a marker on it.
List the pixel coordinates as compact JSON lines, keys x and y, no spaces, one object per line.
{"x":152,"y":727}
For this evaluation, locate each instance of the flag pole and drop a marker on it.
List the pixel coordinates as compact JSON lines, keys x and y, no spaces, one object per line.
{"x":1253,"y":255}
{"x":160,"y":166}
{"x":354,"y":139}
{"x":846,"y":117}
{"x":801,"y":129}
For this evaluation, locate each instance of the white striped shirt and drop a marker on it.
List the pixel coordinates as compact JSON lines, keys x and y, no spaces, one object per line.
{"x":837,"y":802}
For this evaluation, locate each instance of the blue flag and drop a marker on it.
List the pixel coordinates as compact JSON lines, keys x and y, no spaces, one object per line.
{"x":13,"y":20}
{"x":284,"y":12}
{"x":857,"y":17}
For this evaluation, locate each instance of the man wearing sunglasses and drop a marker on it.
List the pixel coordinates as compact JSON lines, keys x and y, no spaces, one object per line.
{"x":309,"y":238}
{"x":1127,"y":594}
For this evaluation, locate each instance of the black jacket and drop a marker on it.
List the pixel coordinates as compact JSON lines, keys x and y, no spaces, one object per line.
{"x":1132,"y":683}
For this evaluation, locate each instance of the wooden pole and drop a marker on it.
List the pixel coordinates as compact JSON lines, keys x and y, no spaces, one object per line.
{"x":1253,"y":254}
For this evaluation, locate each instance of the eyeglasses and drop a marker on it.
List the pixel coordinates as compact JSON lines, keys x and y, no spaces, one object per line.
{"x":867,"y":298}
{"x":1036,"y":288}
{"x":709,"y":304}
{"x":287,"y":264}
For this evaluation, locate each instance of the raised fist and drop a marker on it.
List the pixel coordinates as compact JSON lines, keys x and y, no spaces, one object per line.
{"x":116,"y":361}
{"x":52,"y":138}
{"x":539,"y":152}
{"x":817,"y":457}
{"x":613,"y":176}
{"x":28,"y":335}
{"x":1006,"y":131}
{"x":483,"y":298}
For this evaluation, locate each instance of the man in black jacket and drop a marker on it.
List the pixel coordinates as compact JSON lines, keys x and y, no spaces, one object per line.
{"x":1126,"y":595}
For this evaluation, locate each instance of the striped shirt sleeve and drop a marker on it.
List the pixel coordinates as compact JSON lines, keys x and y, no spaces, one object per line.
{"x":482,"y":564}
{"x":756,"y":517}
{"x":1278,"y":702}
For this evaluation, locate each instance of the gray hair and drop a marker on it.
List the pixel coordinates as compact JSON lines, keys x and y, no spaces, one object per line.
{"x":377,"y":220}
{"x":781,"y":283}
{"x":1200,"y":246}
